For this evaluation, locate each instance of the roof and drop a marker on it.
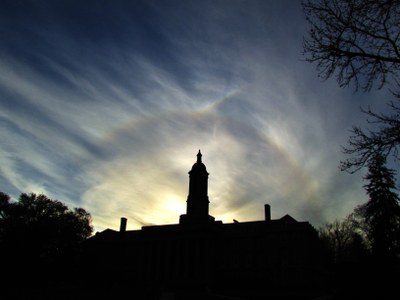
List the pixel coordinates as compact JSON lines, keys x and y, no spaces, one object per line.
{"x":284,"y":224}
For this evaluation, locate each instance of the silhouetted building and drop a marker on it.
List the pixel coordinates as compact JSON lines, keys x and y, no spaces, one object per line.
{"x":204,"y":258}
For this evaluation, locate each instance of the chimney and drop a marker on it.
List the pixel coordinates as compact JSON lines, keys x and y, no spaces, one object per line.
{"x":267,"y":211}
{"x":122,"y":227}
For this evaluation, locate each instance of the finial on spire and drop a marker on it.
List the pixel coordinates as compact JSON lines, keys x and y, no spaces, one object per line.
{"x":199,"y":156}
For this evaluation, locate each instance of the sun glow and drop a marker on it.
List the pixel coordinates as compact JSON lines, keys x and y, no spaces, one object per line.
{"x":172,"y":207}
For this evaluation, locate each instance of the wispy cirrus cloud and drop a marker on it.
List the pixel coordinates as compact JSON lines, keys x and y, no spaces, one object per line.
{"x":106,"y":109}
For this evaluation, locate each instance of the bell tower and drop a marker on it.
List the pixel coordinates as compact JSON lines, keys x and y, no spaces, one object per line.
{"x":197,"y":204}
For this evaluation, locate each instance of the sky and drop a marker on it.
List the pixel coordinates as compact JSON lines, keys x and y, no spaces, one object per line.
{"x":105,"y":104}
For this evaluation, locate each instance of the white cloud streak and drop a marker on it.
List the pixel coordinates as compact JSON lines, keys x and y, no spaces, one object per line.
{"x":117,"y":132}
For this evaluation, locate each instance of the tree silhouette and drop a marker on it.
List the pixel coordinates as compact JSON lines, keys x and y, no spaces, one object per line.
{"x":38,"y":240}
{"x":358,"y":41}
{"x":343,"y":240}
{"x":382,"y":211}
{"x":363,"y":146}
{"x":43,"y":225}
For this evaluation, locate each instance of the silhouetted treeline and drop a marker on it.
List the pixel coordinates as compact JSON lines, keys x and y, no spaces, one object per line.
{"x":39,"y":246}
{"x":356,"y":271}
{"x":364,"y":248}
{"x":357,"y":42}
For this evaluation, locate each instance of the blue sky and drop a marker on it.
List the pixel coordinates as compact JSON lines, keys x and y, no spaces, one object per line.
{"x":104,"y":105}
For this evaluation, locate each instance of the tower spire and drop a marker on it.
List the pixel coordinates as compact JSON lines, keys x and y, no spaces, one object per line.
{"x":197,"y":202}
{"x":199,"y":157}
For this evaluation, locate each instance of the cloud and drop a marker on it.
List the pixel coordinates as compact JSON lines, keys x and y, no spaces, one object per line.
{"x":109,"y":113}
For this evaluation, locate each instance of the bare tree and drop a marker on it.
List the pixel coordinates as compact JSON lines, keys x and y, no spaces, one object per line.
{"x":356,"y":40}
{"x":344,"y":239}
{"x":363,"y":145}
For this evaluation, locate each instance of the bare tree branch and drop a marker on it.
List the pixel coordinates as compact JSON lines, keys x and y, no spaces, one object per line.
{"x":355,"y":40}
{"x":364,"y":145}
{"x":358,"y":42}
